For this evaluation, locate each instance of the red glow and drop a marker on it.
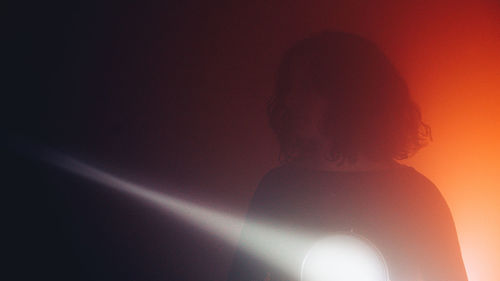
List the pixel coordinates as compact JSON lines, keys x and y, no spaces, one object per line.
{"x":452,"y":64}
{"x":449,"y":53}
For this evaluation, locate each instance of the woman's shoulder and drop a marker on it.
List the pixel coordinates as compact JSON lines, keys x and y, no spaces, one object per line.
{"x":404,"y":176}
{"x":283,"y":170}
{"x":420,"y":180}
{"x":272,"y":178}
{"x":423,"y":190}
{"x":292,"y":170}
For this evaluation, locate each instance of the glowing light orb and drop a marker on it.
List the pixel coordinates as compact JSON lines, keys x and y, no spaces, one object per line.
{"x":344,"y":257}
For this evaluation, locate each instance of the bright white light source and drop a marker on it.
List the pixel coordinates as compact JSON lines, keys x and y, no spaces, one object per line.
{"x":344,"y":257}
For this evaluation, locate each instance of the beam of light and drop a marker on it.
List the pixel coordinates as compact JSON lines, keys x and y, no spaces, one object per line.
{"x":281,"y":248}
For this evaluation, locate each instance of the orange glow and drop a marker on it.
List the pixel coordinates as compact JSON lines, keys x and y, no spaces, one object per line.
{"x":449,"y":53}
{"x":451,"y":60}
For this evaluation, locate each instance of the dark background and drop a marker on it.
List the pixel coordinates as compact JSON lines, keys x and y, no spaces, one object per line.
{"x":169,"y":94}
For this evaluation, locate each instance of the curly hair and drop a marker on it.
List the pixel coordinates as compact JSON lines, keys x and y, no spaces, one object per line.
{"x":369,"y":109}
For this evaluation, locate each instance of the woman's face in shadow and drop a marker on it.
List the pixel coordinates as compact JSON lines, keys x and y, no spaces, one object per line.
{"x":307,"y":110}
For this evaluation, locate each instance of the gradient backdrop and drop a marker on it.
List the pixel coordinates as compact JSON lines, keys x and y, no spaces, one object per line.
{"x":173,"y":94}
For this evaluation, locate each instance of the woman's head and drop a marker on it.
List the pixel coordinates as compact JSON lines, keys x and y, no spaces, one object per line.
{"x":338,"y":91}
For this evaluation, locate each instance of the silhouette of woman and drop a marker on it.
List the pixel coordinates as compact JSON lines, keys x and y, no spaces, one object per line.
{"x":342,"y":115}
